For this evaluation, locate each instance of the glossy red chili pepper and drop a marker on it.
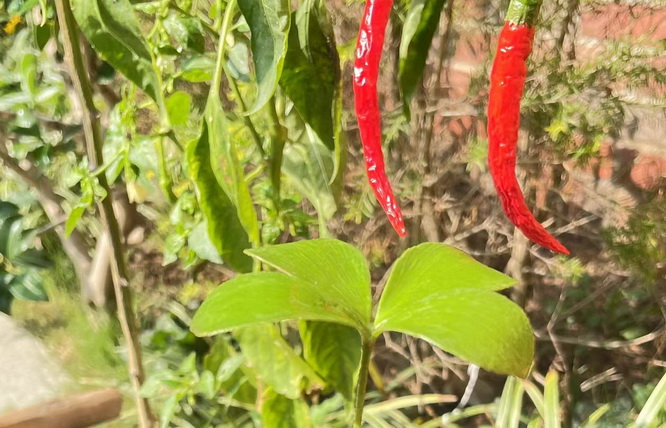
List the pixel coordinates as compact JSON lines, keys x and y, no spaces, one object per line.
{"x":366,"y":70}
{"x":507,"y":82}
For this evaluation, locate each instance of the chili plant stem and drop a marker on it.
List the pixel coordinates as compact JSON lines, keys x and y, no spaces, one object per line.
{"x":366,"y":353}
{"x":119,"y":270}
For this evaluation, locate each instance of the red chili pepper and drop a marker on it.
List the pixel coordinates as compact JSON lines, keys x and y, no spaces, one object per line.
{"x":507,"y":82}
{"x":366,"y":70}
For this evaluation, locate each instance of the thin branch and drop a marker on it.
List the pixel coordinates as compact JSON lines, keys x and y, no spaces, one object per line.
{"x":119,"y":270}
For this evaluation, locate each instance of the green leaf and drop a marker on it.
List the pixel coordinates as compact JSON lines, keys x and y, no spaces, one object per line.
{"x":432,"y":267}
{"x":335,"y":270}
{"x":200,"y":243}
{"x":655,"y":404}
{"x":265,"y":297}
{"x":551,"y":401}
{"x":28,"y":287}
{"x":279,"y":411}
{"x":198,"y":69}
{"x":440,"y":294}
{"x":269,"y":25}
{"x":334,"y":351}
{"x":224,"y":227}
{"x":178,"y":107}
{"x":418,"y":30}
{"x":275,"y":361}
{"x":187,"y":31}
{"x":114,"y":31}
{"x":227,"y":166}
{"x":312,"y":72}
{"x":73,"y":218}
{"x":309,"y":168}
{"x":482,"y":327}
{"x":510,"y":405}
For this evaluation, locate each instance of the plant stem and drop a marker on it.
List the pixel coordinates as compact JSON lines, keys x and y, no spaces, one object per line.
{"x":222,"y":46}
{"x":366,"y":353}
{"x":119,"y":270}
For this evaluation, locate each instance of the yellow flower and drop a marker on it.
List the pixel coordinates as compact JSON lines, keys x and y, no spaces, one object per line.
{"x":11,"y":25}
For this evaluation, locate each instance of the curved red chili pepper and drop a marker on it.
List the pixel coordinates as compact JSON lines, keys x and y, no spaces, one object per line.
{"x":366,"y":70}
{"x":507,"y":81}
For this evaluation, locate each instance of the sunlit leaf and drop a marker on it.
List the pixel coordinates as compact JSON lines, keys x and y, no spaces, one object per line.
{"x":224,"y":227}
{"x":440,"y":294}
{"x":269,"y":26}
{"x":113,"y":29}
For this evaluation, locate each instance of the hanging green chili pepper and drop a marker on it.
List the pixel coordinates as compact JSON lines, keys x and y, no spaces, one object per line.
{"x":366,"y":70}
{"x":507,"y":82}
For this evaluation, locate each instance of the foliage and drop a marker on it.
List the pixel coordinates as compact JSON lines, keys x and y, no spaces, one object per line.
{"x":20,"y":261}
{"x":226,"y":124}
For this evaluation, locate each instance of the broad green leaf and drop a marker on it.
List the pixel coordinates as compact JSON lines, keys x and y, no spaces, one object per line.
{"x":114,"y":31}
{"x":418,"y":30}
{"x":269,"y":26}
{"x":227,"y":167}
{"x":655,"y":404}
{"x":312,"y":72}
{"x":332,"y":268}
{"x":431,"y":268}
{"x":551,"y":401}
{"x":510,"y":405}
{"x":178,"y":107}
{"x":267,"y":297}
{"x":480,"y":326}
{"x":279,"y":411}
{"x":309,"y":168}
{"x":275,"y":361}
{"x":224,"y":227}
{"x":334,"y":351}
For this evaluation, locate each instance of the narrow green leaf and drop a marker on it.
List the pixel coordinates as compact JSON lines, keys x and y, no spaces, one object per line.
{"x":312,"y":72}
{"x":28,"y":286}
{"x":480,"y":326}
{"x":431,"y":268}
{"x":269,"y":26}
{"x":535,"y":395}
{"x":224,"y":227}
{"x":227,"y":166}
{"x":73,"y":218}
{"x":417,"y":33}
{"x":279,"y":411}
{"x":114,"y":31}
{"x":551,"y":401}
{"x":510,"y":405}
{"x":309,"y":168}
{"x":655,"y":403}
{"x":334,"y":351}
{"x":335,"y":269}
{"x":276,"y":362}
{"x":265,"y":297}
{"x":592,"y":420}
